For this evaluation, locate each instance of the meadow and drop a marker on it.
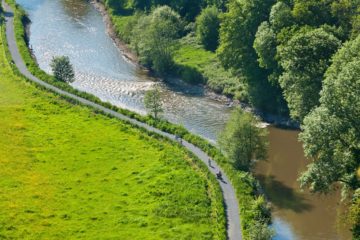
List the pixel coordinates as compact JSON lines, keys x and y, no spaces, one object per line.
{"x":252,"y":205}
{"x":68,"y":172}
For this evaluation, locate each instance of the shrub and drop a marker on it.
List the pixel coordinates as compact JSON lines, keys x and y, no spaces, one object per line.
{"x":207,"y":28}
{"x":153,"y":102}
{"x":62,"y":69}
{"x":154,"y":36}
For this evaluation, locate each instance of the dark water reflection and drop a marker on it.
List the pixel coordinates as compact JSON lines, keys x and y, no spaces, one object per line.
{"x":282,"y":196}
{"x":77,"y":9}
{"x":74,"y":28}
{"x":297,"y":214}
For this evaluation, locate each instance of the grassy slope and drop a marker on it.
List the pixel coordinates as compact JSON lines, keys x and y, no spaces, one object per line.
{"x":191,"y":55}
{"x":69,"y":173}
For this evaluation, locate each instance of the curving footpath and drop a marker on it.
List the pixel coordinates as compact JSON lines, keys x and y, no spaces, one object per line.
{"x":230,"y":201}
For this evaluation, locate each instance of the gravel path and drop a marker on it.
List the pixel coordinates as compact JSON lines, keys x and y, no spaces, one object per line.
{"x":231,"y":204}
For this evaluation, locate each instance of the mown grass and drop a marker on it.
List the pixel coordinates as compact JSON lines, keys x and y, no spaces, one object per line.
{"x":70,"y":173}
{"x":252,"y":205}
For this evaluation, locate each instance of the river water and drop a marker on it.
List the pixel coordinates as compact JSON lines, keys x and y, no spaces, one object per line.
{"x":74,"y":28}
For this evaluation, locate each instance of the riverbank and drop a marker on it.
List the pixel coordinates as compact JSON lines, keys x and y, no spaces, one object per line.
{"x":191,"y":57}
{"x":251,"y":204}
{"x":123,"y":47}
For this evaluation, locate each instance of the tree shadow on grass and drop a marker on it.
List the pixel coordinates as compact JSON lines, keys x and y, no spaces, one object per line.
{"x":283,"y":196}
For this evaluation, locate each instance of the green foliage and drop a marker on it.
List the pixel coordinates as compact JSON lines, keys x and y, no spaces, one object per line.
{"x":355,"y":214}
{"x":346,"y":12}
{"x":207,"y":28}
{"x":243,"y":140}
{"x":313,"y":12}
{"x":261,"y":231}
{"x":143,"y":5}
{"x":305,"y":58}
{"x":124,"y":25}
{"x":186,"y":8}
{"x":280,"y":16}
{"x":237,"y":34}
{"x":153,"y":103}
{"x":220,"y":4}
{"x":154,"y":36}
{"x":196,"y":65}
{"x":265,"y":46}
{"x":62,"y":69}
{"x":331,"y":134}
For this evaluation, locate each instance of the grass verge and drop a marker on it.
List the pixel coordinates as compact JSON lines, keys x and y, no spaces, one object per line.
{"x":252,"y":205}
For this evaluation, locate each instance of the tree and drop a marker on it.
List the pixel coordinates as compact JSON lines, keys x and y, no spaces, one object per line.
{"x":142,"y":4}
{"x":237,"y":34}
{"x":154,"y":37}
{"x":331,"y":133}
{"x":280,"y":16}
{"x":313,"y":12}
{"x":305,"y":58}
{"x":220,"y":4}
{"x":152,"y":101}
{"x":207,"y":28}
{"x":346,"y":12}
{"x":242,"y":140}
{"x":265,"y":46}
{"x":118,"y":5}
{"x":62,"y":69}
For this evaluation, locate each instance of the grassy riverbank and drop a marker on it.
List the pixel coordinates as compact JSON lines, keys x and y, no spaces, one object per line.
{"x":68,"y":172}
{"x":252,"y":207}
{"x":192,"y":63}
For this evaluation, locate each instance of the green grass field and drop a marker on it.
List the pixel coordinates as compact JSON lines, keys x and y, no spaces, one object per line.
{"x":69,"y":173}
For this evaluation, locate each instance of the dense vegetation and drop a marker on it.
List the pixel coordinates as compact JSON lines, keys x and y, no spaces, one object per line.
{"x":253,"y":208}
{"x":68,"y":172}
{"x":294,"y":57}
{"x":243,"y":141}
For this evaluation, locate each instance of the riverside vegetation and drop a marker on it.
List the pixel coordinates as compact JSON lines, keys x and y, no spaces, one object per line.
{"x":69,"y":172}
{"x":290,"y":57}
{"x":253,"y":208}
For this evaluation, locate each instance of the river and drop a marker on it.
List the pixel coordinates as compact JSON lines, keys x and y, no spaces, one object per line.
{"x":76,"y":29}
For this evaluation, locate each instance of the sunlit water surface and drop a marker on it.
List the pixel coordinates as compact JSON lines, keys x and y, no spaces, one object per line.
{"x":74,"y":28}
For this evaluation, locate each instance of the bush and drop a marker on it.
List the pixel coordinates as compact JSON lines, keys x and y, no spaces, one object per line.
{"x":261,"y":231}
{"x":207,"y":28}
{"x":243,"y":141}
{"x":62,"y":69}
{"x":154,"y":37}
